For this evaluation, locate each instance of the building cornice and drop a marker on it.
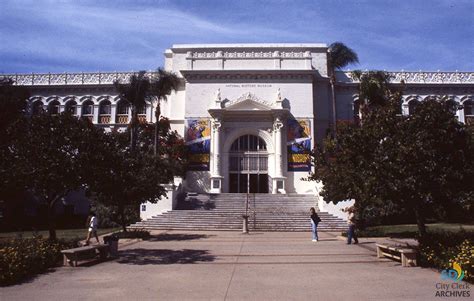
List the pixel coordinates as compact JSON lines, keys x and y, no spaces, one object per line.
{"x":90,"y":79}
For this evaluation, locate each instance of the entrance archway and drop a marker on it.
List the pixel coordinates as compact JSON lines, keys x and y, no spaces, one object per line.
{"x":248,"y":165}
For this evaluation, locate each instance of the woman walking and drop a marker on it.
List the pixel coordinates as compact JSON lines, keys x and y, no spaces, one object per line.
{"x":314,"y":223}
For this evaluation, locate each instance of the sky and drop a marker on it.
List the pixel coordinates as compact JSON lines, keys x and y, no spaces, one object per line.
{"x":86,"y":36}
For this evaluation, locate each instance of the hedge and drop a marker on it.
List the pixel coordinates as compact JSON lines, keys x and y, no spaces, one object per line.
{"x":23,"y":258}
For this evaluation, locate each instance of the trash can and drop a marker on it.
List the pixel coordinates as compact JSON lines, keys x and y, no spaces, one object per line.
{"x":112,"y":241}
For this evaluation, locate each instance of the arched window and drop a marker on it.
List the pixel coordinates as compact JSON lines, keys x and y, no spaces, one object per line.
{"x":468,"y":108}
{"x":37,"y":108}
{"x":141,"y":112}
{"x":104,"y":111}
{"x":248,"y":143}
{"x":468,"y":112}
{"x":71,"y":107}
{"x":53,"y":107}
{"x":123,"y":109}
{"x":412,"y":106}
{"x":88,"y":110}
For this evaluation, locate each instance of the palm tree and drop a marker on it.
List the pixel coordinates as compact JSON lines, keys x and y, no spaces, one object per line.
{"x":374,"y":89}
{"x":135,"y":92}
{"x":162,"y":84}
{"x":339,"y":56}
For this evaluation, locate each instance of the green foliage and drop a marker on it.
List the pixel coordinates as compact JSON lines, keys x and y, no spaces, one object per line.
{"x":51,"y":156}
{"x":388,"y":163}
{"x":441,"y":249}
{"x":12,"y":104}
{"x":340,"y":56}
{"x":21,"y":258}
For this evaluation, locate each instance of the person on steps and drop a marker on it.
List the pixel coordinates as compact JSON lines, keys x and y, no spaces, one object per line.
{"x":314,"y":223}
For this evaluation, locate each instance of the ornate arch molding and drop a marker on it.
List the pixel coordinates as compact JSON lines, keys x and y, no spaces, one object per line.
{"x":236,"y":133}
{"x":410,"y":98}
{"x":465,"y":98}
{"x":83,"y":99}
{"x":102,"y":98}
{"x":34,"y":99}
{"x":69,"y":98}
{"x":247,"y":97}
{"x":53,"y":98}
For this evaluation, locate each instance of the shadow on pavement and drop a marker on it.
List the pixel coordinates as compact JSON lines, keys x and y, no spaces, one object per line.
{"x":170,"y":237}
{"x":164,"y":256}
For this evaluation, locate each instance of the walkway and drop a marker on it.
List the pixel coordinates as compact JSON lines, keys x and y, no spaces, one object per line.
{"x":234,"y":266}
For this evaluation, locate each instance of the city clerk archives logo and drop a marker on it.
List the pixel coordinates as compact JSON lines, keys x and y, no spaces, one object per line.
{"x":455,"y":288}
{"x":454,"y":274}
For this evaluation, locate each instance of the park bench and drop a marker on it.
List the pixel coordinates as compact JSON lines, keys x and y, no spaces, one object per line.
{"x":72,"y":256}
{"x":405,"y":255}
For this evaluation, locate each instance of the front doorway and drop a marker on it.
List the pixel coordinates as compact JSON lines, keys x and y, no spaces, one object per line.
{"x":248,"y":170}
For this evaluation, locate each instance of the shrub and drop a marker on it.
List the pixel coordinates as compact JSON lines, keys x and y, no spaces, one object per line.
{"x":441,"y":249}
{"x":21,"y":258}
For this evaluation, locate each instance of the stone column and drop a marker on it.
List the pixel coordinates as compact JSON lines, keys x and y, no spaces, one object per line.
{"x":278,"y":180}
{"x":277,"y":126}
{"x":113,"y":114}
{"x":216,"y":178}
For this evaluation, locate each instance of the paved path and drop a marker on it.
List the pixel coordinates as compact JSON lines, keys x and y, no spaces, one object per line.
{"x":234,"y":266}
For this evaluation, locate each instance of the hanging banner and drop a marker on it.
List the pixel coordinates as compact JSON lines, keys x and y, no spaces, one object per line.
{"x":198,"y":141}
{"x":299,"y":145}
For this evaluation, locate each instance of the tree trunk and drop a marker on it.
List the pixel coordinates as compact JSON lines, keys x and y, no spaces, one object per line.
{"x":420,"y":221}
{"x":157,"y":117}
{"x":133,"y":124}
{"x":52,"y":221}
{"x":334,"y":115}
{"x":122,"y":218}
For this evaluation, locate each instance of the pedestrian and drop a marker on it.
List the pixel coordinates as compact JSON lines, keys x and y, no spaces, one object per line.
{"x":92,"y":224}
{"x":314,"y":223}
{"x":351,"y":231}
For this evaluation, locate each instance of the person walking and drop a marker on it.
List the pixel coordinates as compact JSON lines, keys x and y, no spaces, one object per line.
{"x":92,"y":223}
{"x":351,"y":231}
{"x":314,"y":223}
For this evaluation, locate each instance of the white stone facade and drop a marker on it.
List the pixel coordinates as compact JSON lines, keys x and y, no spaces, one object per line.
{"x":271,"y":98}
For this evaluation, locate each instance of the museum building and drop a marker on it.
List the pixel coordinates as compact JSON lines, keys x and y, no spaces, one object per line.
{"x":250,"y":113}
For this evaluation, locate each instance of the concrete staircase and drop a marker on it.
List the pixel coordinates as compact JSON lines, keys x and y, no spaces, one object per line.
{"x":267,"y":212}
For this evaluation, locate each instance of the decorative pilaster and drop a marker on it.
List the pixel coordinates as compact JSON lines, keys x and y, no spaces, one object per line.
{"x":216,"y":178}
{"x":278,"y":179}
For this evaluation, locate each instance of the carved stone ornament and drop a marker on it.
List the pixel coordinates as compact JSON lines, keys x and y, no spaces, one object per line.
{"x":248,"y":96}
{"x":277,"y":124}
{"x":216,"y":124}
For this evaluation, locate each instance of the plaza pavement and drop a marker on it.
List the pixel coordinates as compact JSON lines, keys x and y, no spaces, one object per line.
{"x":177,"y":265}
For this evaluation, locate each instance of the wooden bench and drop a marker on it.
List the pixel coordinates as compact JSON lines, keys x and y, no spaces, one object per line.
{"x":405,"y":255}
{"x":72,"y":256}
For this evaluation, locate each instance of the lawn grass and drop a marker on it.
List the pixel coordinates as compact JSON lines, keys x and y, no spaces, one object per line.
{"x":411,"y":230}
{"x":67,"y":234}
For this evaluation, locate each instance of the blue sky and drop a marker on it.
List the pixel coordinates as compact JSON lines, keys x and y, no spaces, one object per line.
{"x":73,"y":36}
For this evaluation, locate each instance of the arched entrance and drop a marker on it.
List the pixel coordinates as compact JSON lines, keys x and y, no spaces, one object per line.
{"x":248,"y":165}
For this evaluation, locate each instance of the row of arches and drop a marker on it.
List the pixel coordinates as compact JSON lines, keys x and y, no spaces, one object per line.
{"x":87,"y":109}
{"x":410,"y":102}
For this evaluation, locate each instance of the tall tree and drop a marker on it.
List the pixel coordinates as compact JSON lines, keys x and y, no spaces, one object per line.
{"x":162,"y":84}
{"x":418,"y":163}
{"x":374,"y":89}
{"x":135,"y":92}
{"x":128,"y":178}
{"x":339,"y":56}
{"x":53,"y":155}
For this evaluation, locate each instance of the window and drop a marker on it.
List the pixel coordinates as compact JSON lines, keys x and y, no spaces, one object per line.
{"x":468,"y":108}
{"x":141,"y":109}
{"x":104,"y":108}
{"x":412,"y":106}
{"x":37,"y":108}
{"x":123,"y":107}
{"x":248,"y":143}
{"x":88,"y":108}
{"x":71,"y":107}
{"x":53,"y":107}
